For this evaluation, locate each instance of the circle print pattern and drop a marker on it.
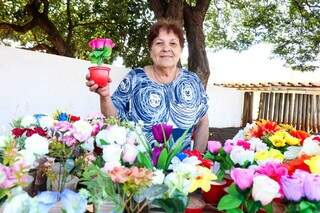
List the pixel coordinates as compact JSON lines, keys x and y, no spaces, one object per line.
{"x":185,"y":101}
{"x":149,"y":103}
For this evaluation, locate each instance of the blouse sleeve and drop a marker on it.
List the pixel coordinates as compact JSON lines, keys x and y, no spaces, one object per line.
{"x":121,"y":97}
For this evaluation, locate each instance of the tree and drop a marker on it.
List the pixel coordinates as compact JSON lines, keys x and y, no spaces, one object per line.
{"x":65,"y":27}
{"x":293,"y":27}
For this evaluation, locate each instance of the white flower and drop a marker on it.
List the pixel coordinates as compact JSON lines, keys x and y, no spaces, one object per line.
{"x":88,"y":145}
{"x":186,"y":166}
{"x":112,"y":153}
{"x":3,"y":141}
{"x":82,"y":130}
{"x":28,"y":157}
{"x":239,"y":135}
{"x":116,"y":134}
{"x":37,"y":144}
{"x":239,"y":155}
{"x":102,"y":135}
{"x":20,"y":202}
{"x":257,"y":145}
{"x":310,"y":147}
{"x":46,"y":122}
{"x":292,"y":152}
{"x":130,"y":153}
{"x":27,"y":121}
{"x":265,"y":189}
{"x":158,"y":177}
{"x":177,"y":181}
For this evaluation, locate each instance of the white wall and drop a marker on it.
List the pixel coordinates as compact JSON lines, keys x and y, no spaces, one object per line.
{"x":33,"y":82}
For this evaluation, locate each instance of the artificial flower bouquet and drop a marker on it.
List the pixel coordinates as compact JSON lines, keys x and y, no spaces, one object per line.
{"x":282,"y":137}
{"x":101,"y":50}
{"x":272,"y":187}
{"x":133,"y":176}
{"x":58,"y":147}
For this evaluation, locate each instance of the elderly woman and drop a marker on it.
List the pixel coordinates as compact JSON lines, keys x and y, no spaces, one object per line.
{"x":162,"y":92}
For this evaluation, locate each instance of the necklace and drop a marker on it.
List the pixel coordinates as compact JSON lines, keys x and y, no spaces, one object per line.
{"x":164,"y":81}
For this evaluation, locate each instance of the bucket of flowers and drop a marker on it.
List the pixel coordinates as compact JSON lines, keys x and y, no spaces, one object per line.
{"x":101,"y":50}
{"x":133,"y":179}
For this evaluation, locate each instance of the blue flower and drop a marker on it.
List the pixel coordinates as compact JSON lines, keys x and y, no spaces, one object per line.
{"x":63,"y":116}
{"x":181,"y":156}
{"x":46,"y":200}
{"x":73,"y":202}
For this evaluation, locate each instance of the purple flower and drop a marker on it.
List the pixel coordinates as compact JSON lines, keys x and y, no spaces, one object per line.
{"x":292,"y":187}
{"x":242,"y":177}
{"x":161,"y":132}
{"x":214,"y":146}
{"x":311,"y":187}
{"x":155,"y":154}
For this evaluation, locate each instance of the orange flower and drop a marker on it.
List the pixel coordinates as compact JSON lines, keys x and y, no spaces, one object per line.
{"x":264,"y":127}
{"x":300,"y":134}
{"x":298,"y":163}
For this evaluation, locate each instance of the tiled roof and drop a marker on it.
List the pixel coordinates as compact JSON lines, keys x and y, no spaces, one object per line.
{"x":273,"y":86}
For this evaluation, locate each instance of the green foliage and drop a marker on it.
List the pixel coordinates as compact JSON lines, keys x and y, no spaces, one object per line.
{"x":125,"y":22}
{"x":293,"y":27}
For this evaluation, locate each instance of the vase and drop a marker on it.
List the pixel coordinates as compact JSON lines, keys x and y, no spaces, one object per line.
{"x":102,"y":207}
{"x":100,"y":75}
{"x":70,"y":182}
{"x":216,"y":192}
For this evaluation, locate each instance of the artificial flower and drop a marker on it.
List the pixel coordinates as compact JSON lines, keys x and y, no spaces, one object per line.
{"x":116,"y":134}
{"x":300,"y":134}
{"x":82,"y":130}
{"x":228,"y":145}
{"x":243,"y":178}
{"x":202,"y":180}
{"x":243,"y":143}
{"x":311,"y":187}
{"x":240,"y":156}
{"x":273,"y":170}
{"x":112,"y":154}
{"x":19,"y":202}
{"x":273,"y":155}
{"x":158,"y":176}
{"x":278,"y":139}
{"x":257,"y":145}
{"x":292,"y":187}
{"x":155,"y":154}
{"x":292,"y":152}
{"x":265,"y":189}
{"x":100,"y":43}
{"x":314,"y":164}
{"x":310,"y":146}
{"x":161,"y":132}
{"x":7,"y":177}
{"x":214,"y":146}
{"x":297,"y":164}
{"x":264,"y":127}
{"x":130,"y":153}
{"x":37,"y":144}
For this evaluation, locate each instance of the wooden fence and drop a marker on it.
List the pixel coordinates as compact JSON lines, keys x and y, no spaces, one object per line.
{"x":300,"y":110}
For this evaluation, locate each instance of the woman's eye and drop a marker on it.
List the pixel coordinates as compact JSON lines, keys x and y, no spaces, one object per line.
{"x":173,"y":44}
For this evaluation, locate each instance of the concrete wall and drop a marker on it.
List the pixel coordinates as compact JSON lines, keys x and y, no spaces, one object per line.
{"x":33,"y":82}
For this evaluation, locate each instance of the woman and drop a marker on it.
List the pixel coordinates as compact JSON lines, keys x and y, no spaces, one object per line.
{"x":162,"y":92}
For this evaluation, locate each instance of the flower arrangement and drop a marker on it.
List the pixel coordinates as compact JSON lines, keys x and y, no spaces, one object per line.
{"x":101,"y":50}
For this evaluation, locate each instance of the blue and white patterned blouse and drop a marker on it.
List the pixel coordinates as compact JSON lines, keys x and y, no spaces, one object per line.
{"x":181,"y":103}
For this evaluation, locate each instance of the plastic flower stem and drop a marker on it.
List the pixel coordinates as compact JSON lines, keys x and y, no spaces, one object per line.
{"x":143,"y":206}
{"x":59,"y":175}
{"x":145,"y":144}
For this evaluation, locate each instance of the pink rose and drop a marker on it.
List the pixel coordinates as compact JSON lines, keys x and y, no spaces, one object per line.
{"x":228,"y":145}
{"x":242,"y":177}
{"x":214,"y":146}
{"x":99,"y":43}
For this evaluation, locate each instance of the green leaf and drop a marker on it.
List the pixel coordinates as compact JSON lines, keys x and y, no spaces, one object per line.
{"x":103,"y":142}
{"x":234,"y":211}
{"x":232,"y":190}
{"x":163,"y":159}
{"x":144,"y":160}
{"x":229,"y":202}
{"x":268,"y":208}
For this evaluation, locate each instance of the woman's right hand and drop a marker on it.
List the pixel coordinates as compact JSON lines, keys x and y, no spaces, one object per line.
{"x":93,"y":87}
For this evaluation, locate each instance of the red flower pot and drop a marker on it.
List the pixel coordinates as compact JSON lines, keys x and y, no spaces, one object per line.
{"x":100,"y":75}
{"x":194,"y":210}
{"x":216,"y":192}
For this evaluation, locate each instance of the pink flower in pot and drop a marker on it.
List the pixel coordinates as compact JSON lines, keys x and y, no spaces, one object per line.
{"x":101,"y":50}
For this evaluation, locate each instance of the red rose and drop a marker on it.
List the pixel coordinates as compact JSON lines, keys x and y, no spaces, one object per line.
{"x":40,"y":131}
{"x":74,"y":118}
{"x":17,"y":132}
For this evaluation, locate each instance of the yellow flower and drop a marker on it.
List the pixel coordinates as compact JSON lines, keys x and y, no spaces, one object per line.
{"x":287,"y":127}
{"x":279,"y":138}
{"x":272,"y":154}
{"x":314,"y":164}
{"x":202,"y":180}
{"x":292,"y":141}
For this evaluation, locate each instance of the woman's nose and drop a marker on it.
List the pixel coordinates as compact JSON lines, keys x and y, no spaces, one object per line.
{"x":166,"y":48}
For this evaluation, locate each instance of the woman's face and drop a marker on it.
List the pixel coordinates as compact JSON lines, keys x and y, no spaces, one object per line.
{"x":165,"y":50}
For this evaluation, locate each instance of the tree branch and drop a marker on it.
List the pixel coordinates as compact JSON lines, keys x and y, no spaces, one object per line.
{"x":70,"y":24}
{"x":202,"y":5}
{"x":175,"y":10}
{"x":18,"y":28}
{"x":159,"y":7}
{"x":43,"y":47}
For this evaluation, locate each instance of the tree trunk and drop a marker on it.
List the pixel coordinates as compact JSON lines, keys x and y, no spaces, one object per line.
{"x":197,"y":59}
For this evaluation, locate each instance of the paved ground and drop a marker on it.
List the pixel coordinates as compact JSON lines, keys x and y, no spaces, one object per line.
{"x":222,"y":134}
